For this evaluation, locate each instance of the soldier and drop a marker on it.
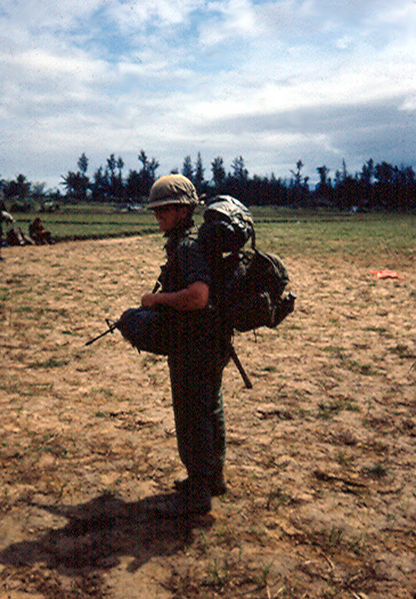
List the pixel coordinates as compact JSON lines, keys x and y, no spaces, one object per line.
{"x":38,"y":233}
{"x":4,"y":216}
{"x":199,"y":349}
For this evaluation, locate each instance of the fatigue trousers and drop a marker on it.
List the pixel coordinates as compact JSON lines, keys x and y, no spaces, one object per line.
{"x":196,"y":370}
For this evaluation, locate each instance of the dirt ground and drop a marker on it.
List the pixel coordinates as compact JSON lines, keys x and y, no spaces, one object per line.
{"x":321,"y":452}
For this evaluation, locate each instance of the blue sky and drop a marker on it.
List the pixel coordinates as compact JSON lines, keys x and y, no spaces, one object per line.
{"x":317,"y":80}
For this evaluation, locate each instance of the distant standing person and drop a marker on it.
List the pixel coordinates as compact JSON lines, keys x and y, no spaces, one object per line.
{"x":38,"y":233}
{"x":4,"y":216}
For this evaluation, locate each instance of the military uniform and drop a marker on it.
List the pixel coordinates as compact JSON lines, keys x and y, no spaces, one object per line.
{"x":198,"y":354}
{"x":196,"y":343}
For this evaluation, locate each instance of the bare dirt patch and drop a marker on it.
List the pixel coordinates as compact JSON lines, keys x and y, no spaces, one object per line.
{"x":321,"y":452}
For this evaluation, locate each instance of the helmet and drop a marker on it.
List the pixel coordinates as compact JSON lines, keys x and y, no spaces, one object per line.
{"x":172,"y":189}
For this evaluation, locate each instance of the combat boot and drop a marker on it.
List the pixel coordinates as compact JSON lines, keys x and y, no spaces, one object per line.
{"x":216,"y":484}
{"x":195,"y":500}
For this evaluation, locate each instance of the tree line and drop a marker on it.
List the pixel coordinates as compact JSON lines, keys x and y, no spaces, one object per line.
{"x":381,"y":186}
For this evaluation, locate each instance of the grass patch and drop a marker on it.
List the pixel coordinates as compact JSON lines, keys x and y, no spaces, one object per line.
{"x":376,"y":471}
{"x":319,"y":233}
{"x":269,"y":369}
{"x":343,"y":459}
{"x":334,"y":349}
{"x":364,"y":369}
{"x":101,"y":414}
{"x":278,"y":498}
{"x":50,"y":363}
{"x":380,"y":330}
{"x":327,"y":410}
{"x":403,"y":351}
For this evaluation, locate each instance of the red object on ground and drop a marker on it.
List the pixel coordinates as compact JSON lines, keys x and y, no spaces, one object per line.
{"x":386,"y":274}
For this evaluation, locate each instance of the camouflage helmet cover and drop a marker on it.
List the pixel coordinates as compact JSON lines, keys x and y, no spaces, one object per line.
{"x":172,"y":189}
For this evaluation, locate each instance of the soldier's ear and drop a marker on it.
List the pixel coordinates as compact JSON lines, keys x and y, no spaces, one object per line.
{"x":184,"y":211}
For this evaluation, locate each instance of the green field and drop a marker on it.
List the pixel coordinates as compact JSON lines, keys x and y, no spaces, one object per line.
{"x":89,"y":222}
{"x":286,"y":231}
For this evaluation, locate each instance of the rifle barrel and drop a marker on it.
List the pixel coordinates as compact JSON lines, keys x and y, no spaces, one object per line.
{"x":109,"y":330}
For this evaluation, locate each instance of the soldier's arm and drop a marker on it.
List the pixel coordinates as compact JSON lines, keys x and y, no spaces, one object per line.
{"x":193,"y":297}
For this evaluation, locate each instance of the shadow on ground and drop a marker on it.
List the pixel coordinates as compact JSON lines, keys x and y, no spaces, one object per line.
{"x":100,"y":532}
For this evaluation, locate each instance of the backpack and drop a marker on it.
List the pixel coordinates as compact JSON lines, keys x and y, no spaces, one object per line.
{"x":248,"y":285}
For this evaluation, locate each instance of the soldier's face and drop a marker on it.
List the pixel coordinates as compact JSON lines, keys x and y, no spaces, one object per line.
{"x":169,"y":216}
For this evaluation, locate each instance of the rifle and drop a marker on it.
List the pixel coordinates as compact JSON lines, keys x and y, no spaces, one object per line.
{"x":240,"y":367}
{"x":113,"y":324}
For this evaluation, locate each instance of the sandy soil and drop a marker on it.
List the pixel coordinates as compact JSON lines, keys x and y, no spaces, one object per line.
{"x":321,"y":452}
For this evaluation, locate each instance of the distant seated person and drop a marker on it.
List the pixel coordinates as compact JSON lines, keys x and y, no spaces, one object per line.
{"x":38,"y":233}
{"x":15,"y":236}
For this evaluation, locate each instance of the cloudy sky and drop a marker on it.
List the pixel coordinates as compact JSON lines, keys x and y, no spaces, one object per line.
{"x":320,"y":81}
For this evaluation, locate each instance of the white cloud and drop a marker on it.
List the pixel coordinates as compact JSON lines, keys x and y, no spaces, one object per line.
{"x":265,"y":79}
{"x":40,"y":16}
{"x":409,"y":104}
{"x":33,"y":64}
{"x":227,"y":21}
{"x":133,"y":16}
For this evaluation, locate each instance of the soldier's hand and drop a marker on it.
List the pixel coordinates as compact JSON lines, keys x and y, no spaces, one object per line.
{"x":149,"y":300}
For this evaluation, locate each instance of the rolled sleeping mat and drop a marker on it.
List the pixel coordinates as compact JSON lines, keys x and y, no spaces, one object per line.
{"x":146,"y":329}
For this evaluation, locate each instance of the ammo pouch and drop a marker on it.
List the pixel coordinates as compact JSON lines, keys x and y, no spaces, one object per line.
{"x":147,"y":330}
